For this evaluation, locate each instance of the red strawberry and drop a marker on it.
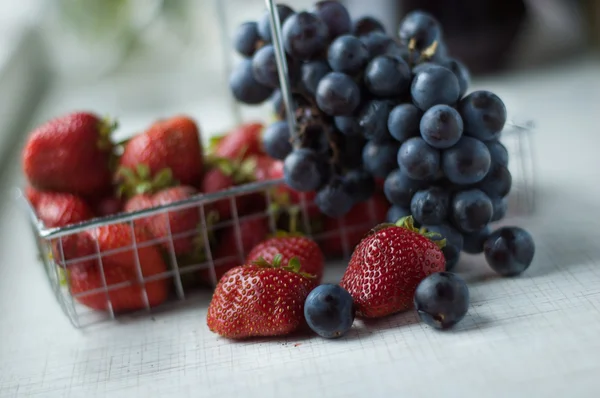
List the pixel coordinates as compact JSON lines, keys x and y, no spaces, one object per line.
{"x":57,"y":209}
{"x":240,"y":143}
{"x":32,"y":195}
{"x":119,"y":268}
{"x":182,"y":224}
{"x":289,"y":246}
{"x":362,"y":217}
{"x":387,"y":266}
{"x":172,"y":144}
{"x":259,"y":300}
{"x":227,"y":253}
{"x":224,"y":174}
{"x":108,"y":206}
{"x":71,"y":153}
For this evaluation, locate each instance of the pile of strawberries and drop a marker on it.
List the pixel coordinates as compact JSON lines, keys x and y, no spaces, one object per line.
{"x":77,"y":172}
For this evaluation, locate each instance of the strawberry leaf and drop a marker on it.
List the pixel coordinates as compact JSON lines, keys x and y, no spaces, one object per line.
{"x":408,"y":223}
{"x":143,"y":171}
{"x":277,"y":260}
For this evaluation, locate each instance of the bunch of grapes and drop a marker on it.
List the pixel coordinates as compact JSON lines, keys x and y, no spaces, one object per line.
{"x":371,"y":107}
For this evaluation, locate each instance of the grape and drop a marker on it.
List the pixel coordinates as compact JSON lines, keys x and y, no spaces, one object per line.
{"x":378,"y":43}
{"x":264,"y":23}
{"x":473,"y":242}
{"x":403,"y":122}
{"x":365,"y":25}
{"x":337,"y":94}
{"x":420,"y":26}
{"x":434,"y":85}
{"x":509,"y":251}
{"x":373,"y":118}
{"x":312,"y":73}
{"x":454,"y":242}
{"x":395,"y":213}
{"x":430,"y":206}
{"x":348,"y":125}
{"x":498,"y":153}
{"x":379,"y":159}
{"x":399,"y":189}
{"x":467,"y":162}
{"x":418,"y":160}
{"x":278,"y":104}
{"x":497,"y":182}
{"x":315,"y":137}
{"x":484,"y":115}
{"x":471,"y":210}
{"x":441,"y":126}
{"x":422,"y":66}
{"x":462,"y":73}
{"x":264,"y":67}
{"x":244,"y":86}
{"x":335,"y":16}
{"x":387,"y":76}
{"x":246,"y":39}
{"x":347,"y":54}
{"x":302,"y":170}
{"x":304,"y":36}
{"x":334,"y":200}
{"x":500,"y":206}
{"x":360,"y":184}
{"x":276,"y":140}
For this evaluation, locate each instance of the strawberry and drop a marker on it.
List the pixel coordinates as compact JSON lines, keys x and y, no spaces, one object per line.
{"x":240,"y":143}
{"x":387,"y":266}
{"x":289,"y":246}
{"x":119,"y":268}
{"x":172,"y":144}
{"x":71,"y":153}
{"x":56,"y":209}
{"x":262,"y":299}
{"x":224,"y":174}
{"x":107,"y":206}
{"x":182,"y":224}
{"x":362,"y":217}
{"x":227,"y":253}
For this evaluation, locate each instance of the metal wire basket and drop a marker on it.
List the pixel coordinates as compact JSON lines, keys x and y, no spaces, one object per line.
{"x":181,"y":279}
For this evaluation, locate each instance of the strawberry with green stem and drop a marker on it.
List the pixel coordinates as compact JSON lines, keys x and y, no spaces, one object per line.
{"x":71,"y":154}
{"x":260,"y":299}
{"x":387,"y":266}
{"x":241,"y":143}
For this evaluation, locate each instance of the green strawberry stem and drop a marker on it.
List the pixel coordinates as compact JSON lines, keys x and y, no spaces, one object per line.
{"x":240,"y":171}
{"x":140,"y":181}
{"x":105,"y":129}
{"x":292,"y":266}
{"x":408,"y":223}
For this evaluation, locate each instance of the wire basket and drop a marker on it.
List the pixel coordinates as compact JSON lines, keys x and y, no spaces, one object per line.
{"x":159,"y":277}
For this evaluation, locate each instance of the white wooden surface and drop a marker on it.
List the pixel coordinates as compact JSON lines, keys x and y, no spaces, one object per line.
{"x":533,"y":336}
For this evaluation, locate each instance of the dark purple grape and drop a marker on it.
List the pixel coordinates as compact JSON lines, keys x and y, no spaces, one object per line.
{"x":418,"y":160}
{"x":347,"y":54}
{"x":304,"y":36}
{"x":276,"y":140}
{"x":303,"y":170}
{"x":333,"y":199}
{"x":441,"y":126}
{"x":399,"y":189}
{"x":348,"y":126}
{"x":500,"y":206}
{"x":434,"y":85}
{"x":246,"y":39}
{"x":473,"y":242}
{"x":442,"y":300}
{"x":509,"y":251}
{"x":264,"y":67}
{"x":335,"y":16}
{"x":396,"y":213}
{"x":498,"y":152}
{"x":379,"y":159}
{"x":484,"y":115}
{"x":360,"y":184}
{"x":244,"y":86}
{"x":430,"y":206}
{"x":471,"y":210}
{"x":387,"y":76}
{"x":421,"y":27}
{"x":365,"y":25}
{"x":467,"y":162}
{"x":337,"y":94}
{"x":372,"y":120}
{"x":264,"y":23}
{"x":403,"y":122}
{"x":497,"y":182}
{"x":378,"y":43}
{"x":312,"y":73}
{"x":460,"y":70}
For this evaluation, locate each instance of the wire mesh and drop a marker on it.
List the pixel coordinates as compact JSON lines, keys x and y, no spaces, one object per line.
{"x":95,"y":280}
